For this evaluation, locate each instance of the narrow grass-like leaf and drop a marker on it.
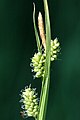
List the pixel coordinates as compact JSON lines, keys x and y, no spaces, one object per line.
{"x":36,"y":32}
{"x":46,"y":79}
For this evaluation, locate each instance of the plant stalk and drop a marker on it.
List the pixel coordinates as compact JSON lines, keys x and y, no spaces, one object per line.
{"x":46,"y":78}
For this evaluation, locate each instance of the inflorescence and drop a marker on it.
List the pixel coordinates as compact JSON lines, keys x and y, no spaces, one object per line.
{"x":38,"y":60}
{"x":29,"y":102}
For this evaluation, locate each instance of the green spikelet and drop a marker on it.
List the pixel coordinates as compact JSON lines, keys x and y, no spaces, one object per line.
{"x":38,"y":64}
{"x":55,"y":49}
{"x":38,"y":60}
{"x":29,"y":102}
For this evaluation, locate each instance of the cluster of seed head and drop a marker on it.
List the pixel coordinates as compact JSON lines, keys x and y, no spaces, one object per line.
{"x":38,"y":60}
{"x":38,"y":64}
{"x":55,"y":49}
{"x":29,"y":102}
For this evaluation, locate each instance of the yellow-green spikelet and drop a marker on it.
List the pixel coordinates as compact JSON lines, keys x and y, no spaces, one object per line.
{"x":55,"y":49}
{"x":29,"y":102}
{"x":38,"y":60}
{"x":38,"y":64}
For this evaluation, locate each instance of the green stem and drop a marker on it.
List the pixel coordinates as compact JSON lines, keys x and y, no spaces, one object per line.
{"x":46,"y":79}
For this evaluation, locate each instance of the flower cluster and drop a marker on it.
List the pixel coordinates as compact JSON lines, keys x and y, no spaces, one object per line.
{"x":55,"y":49}
{"x":38,"y":64}
{"x":29,"y":102}
{"x":38,"y":60}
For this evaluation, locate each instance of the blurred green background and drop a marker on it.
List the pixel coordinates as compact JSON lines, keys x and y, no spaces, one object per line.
{"x":17,"y":46}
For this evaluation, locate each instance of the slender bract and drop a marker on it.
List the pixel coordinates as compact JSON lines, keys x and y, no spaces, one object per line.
{"x":36,"y":32}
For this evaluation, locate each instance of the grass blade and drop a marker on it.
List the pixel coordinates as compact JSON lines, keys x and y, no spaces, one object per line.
{"x":46,"y":79}
{"x":36,"y":32}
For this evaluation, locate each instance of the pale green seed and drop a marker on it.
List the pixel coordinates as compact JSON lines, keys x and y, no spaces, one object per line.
{"x":34,"y":110}
{"x":54,"y":56}
{"x":52,"y":59}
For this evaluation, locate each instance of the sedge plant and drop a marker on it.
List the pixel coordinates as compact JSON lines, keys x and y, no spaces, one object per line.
{"x":47,"y":52}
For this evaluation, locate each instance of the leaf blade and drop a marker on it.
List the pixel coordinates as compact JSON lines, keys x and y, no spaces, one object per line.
{"x":36,"y":32}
